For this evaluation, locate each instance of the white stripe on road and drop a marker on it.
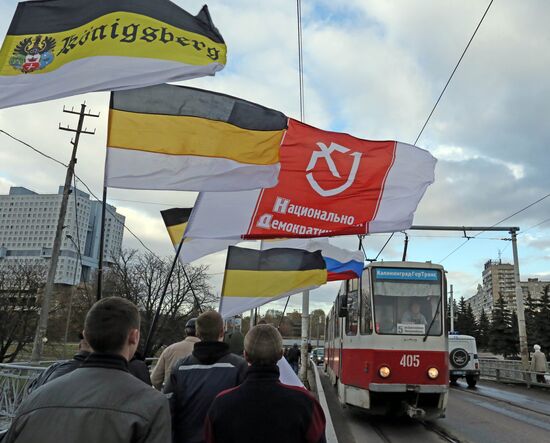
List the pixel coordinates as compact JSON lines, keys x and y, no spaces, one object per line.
{"x":330,"y":433}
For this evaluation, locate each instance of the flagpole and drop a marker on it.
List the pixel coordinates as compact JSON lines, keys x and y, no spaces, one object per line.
{"x":149,"y":338}
{"x":101,"y":244}
{"x":305,"y":294}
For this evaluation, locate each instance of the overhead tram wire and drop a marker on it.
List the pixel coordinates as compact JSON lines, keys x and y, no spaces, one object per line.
{"x":300,"y":59}
{"x":498,"y":223}
{"x":384,"y":247}
{"x":453,"y":73}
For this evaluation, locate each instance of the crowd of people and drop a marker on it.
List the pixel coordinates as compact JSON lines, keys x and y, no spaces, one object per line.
{"x":199,"y":391}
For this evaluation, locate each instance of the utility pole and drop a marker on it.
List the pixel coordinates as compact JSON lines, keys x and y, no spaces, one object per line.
{"x":520,"y":309}
{"x":56,"y":249}
{"x":305,"y":330}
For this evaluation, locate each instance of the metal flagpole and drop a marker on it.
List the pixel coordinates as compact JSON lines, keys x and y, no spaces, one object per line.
{"x":305,"y":294}
{"x":305,"y":331}
{"x":101,"y":245}
{"x":148,"y":340}
{"x":56,"y":248}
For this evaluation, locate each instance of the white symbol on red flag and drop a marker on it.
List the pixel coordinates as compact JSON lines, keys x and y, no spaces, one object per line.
{"x":325,"y":153}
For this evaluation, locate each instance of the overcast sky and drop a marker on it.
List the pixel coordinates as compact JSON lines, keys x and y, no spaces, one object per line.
{"x":373,"y":69}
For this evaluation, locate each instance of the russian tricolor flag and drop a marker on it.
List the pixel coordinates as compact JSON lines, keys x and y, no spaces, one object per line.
{"x":342,"y":264}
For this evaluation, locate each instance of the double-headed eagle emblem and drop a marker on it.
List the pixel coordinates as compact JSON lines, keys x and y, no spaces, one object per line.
{"x":33,"y":53}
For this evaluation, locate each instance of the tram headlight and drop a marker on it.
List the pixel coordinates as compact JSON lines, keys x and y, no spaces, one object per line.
{"x":384,"y":372}
{"x":433,"y":373}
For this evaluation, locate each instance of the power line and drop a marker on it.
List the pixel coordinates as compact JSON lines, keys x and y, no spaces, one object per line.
{"x":453,"y":73}
{"x":384,"y":247}
{"x":497,"y":223}
{"x":141,"y":201}
{"x":38,"y":151}
{"x":535,"y":226}
{"x":300,"y":58}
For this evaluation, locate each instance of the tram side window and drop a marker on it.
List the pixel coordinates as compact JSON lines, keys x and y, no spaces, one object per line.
{"x":352,"y":320}
{"x":366,"y":309}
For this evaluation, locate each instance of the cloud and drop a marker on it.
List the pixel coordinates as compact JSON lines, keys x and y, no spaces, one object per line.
{"x":373,"y":68}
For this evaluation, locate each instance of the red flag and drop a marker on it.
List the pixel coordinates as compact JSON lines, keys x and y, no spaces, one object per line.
{"x":332,"y":180}
{"x":330,"y":184}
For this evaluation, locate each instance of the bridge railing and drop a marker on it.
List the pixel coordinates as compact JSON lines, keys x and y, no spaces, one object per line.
{"x":508,"y":371}
{"x":14,"y":380}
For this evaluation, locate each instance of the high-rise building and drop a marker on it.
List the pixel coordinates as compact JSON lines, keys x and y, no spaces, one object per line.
{"x":28,"y":222}
{"x":533,"y":286}
{"x":498,"y":281}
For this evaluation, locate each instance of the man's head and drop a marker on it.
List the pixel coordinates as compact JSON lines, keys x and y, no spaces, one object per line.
{"x":210,"y":326}
{"x":190,"y":327}
{"x":112,"y":326}
{"x":263,"y":345}
{"x":536,"y":347}
{"x":415,"y":307}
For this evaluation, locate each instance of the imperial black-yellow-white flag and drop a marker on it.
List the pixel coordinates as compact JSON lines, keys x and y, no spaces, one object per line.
{"x":57,"y":48}
{"x":176,"y":220}
{"x":253,"y":278}
{"x":169,"y":137}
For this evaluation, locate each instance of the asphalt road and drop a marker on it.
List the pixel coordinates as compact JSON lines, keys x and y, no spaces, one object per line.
{"x":489,"y":413}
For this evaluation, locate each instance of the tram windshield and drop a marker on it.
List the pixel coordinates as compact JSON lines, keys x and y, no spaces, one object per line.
{"x":407,"y":301}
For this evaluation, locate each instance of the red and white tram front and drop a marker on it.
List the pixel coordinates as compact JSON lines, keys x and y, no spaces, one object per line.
{"x":387,"y":347}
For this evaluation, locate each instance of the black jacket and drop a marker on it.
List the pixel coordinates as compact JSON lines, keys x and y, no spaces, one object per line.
{"x":264,"y":410}
{"x":138,"y":368}
{"x":97,"y":403}
{"x":58,"y":369}
{"x":293,"y":355}
{"x":194,"y":383}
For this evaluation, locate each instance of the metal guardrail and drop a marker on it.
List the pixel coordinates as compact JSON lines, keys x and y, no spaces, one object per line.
{"x":508,"y":371}
{"x":14,"y":380}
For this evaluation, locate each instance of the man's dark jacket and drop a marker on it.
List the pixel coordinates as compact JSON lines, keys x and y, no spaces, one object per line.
{"x":194,"y":383}
{"x":293,"y":355}
{"x":96,"y":403}
{"x":263,"y":410}
{"x":58,"y":369}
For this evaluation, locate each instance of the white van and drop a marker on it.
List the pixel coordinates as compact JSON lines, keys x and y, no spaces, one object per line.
{"x":463,"y":360}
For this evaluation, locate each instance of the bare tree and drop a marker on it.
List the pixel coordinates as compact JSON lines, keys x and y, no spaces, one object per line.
{"x":140,"y":277}
{"x":20,"y":283}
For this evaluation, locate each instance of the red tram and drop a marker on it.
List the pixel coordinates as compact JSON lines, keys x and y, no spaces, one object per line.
{"x":386,"y":348}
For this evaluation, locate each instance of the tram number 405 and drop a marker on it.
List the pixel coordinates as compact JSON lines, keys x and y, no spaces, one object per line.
{"x":410,"y":361}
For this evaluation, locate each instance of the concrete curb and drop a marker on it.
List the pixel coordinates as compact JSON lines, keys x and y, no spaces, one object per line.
{"x":330,"y":433}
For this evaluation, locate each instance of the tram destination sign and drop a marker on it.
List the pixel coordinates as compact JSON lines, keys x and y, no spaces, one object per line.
{"x":407,"y":274}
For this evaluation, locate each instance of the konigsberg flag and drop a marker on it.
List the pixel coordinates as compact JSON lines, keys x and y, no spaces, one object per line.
{"x":330,"y":184}
{"x":176,"y":220}
{"x":57,"y":48}
{"x":169,"y":137}
{"x":253,"y":278}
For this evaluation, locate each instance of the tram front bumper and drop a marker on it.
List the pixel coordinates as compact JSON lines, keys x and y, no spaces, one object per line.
{"x":401,"y":387}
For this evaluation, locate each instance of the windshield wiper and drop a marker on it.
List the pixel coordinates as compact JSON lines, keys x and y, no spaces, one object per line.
{"x":433,"y":319}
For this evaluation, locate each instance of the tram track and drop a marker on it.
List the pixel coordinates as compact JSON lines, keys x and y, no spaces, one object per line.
{"x":405,"y":430}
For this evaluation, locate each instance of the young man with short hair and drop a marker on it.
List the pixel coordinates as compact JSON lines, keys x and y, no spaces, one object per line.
{"x":197,"y":379}
{"x":100,"y":401}
{"x":262,"y":409}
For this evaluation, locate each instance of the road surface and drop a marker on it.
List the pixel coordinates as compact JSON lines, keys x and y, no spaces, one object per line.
{"x":490,"y":413}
